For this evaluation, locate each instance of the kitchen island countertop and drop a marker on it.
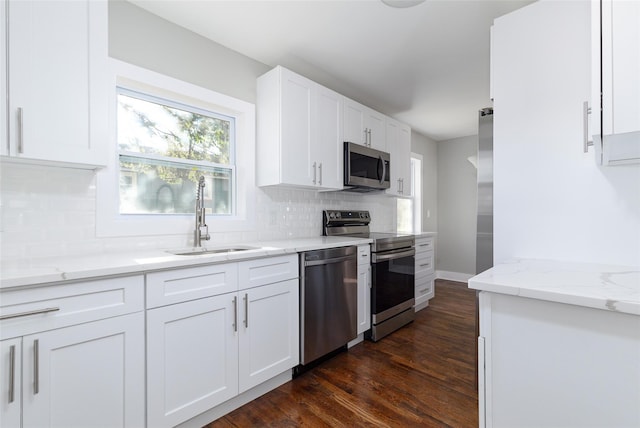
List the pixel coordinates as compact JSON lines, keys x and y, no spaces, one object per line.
{"x":606,"y":287}
{"x":20,"y":273}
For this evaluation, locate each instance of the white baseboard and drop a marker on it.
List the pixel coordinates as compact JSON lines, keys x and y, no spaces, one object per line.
{"x":453,"y":276}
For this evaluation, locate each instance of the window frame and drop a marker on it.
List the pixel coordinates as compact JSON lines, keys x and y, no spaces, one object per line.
{"x":109,"y":221}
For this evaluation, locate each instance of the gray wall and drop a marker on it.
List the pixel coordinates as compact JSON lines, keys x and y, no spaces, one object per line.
{"x":457,"y":196}
{"x":428,"y":148}
{"x":148,"y":41}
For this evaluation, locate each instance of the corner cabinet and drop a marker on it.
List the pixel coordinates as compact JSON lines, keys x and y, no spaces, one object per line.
{"x":57,"y":93}
{"x":399,"y":147}
{"x":616,"y":91}
{"x":299,"y":132}
{"x":73,"y":355}
{"x":207,"y":350}
{"x":547,"y":364}
{"x":363,"y":125}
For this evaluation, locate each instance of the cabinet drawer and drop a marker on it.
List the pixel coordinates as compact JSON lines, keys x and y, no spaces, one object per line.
{"x":424,"y":244}
{"x":364,"y":254}
{"x":424,"y":262}
{"x":424,"y":288}
{"x":35,"y":309}
{"x":253,"y":273}
{"x":181,"y":285}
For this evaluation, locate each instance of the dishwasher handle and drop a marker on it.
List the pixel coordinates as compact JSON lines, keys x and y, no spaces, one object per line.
{"x":330,"y":261}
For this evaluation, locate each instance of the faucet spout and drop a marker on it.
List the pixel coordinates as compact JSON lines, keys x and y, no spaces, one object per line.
{"x":201,"y":231}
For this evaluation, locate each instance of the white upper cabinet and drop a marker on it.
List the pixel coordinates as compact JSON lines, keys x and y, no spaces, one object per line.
{"x":618,"y":57}
{"x":57,"y":97}
{"x":328,"y":147}
{"x":363,"y":125}
{"x":299,"y":129}
{"x":4,"y":149}
{"x":399,"y":147}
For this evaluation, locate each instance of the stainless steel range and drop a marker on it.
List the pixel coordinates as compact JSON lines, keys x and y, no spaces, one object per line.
{"x":392,"y":269}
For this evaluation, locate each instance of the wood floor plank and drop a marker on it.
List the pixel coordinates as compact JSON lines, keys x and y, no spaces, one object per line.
{"x":421,"y":375}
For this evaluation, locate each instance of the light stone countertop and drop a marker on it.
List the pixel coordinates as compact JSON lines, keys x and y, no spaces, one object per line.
{"x":606,"y":287}
{"x":70,"y":268}
{"x":424,"y":234}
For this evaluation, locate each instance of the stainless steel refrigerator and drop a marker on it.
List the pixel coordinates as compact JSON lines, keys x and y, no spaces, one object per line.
{"x":484,"y":234}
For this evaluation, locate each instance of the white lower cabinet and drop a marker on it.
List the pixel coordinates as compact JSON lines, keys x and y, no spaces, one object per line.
{"x":192,"y":358}
{"x":364,"y":288}
{"x":203,"y":352}
{"x":268,"y":332}
{"x":424,"y":271}
{"x":84,"y":375}
{"x":548,"y":364}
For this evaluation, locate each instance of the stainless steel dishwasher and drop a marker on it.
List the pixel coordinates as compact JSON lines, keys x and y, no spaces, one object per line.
{"x":328,"y":301}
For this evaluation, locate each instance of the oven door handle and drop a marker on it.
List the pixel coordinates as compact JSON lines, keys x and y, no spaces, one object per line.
{"x":392,"y":255}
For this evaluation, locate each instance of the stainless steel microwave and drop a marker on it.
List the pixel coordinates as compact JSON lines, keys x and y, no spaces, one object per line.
{"x":365,"y":169}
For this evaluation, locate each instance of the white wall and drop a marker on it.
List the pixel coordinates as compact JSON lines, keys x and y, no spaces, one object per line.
{"x":428,"y":148}
{"x":51,"y":211}
{"x":457,"y":199}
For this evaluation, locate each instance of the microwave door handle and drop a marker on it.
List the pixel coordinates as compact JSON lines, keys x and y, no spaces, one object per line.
{"x":384,"y":169}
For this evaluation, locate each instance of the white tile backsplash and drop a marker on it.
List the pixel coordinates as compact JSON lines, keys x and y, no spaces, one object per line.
{"x":51,"y":211}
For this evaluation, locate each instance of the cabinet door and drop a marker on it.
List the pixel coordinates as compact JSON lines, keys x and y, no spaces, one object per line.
{"x":4,"y":143}
{"x":375,"y":122}
{"x":399,"y":147}
{"x":354,"y":123}
{"x":57,"y":50}
{"x":11,"y":382}
{"x":620,"y":66}
{"x":328,"y":147}
{"x":297,"y":112}
{"x":192,"y":358}
{"x":269,"y":339}
{"x":364,"y":298}
{"x":87,"y":375}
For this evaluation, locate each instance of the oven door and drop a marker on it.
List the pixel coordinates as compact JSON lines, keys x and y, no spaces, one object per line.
{"x":393,"y":283}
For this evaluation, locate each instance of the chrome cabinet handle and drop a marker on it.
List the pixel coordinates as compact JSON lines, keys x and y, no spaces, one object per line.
{"x":369,"y":133}
{"x":28,"y":313}
{"x":314,"y":173}
{"x":21,"y":129}
{"x":12,"y":372}
{"x":36,"y":366}
{"x":320,"y":169}
{"x":586,"y":111}
{"x":246,"y":310}
{"x":235,"y":313}
{"x":365,"y":137}
{"x":424,"y":290}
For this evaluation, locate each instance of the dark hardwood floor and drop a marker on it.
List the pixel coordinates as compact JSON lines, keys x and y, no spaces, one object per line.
{"x":421,"y":375}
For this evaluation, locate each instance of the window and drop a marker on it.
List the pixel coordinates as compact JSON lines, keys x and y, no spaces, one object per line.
{"x":409,"y":210}
{"x":164,"y":147}
{"x":164,"y":134}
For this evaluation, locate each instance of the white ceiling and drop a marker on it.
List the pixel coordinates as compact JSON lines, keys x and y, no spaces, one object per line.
{"x":427,"y":65}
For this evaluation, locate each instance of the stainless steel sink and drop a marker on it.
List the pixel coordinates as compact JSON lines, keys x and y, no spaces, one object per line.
{"x":220,"y":250}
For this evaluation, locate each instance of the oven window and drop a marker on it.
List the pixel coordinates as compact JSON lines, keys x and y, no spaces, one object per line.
{"x":393,"y":283}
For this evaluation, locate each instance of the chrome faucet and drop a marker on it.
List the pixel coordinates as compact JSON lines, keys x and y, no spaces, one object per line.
{"x":202,"y":230}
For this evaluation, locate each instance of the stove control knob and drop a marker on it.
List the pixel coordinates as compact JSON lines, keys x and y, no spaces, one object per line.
{"x":338,"y":215}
